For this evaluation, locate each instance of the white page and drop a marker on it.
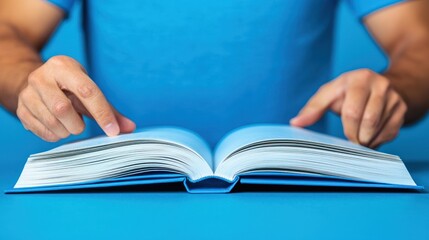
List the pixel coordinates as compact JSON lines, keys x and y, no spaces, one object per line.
{"x":267,"y":132}
{"x":174,"y":135}
{"x":151,"y":149}
{"x":274,"y":148}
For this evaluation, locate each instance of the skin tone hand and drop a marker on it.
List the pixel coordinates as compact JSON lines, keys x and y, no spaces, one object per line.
{"x":372,"y":112}
{"x":56,"y":96}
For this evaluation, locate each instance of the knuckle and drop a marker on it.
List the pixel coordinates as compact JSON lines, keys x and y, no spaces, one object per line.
{"x":361,"y":86}
{"x":34,"y":78}
{"x":59,"y":60}
{"x":26,"y":95}
{"x":383,"y":86}
{"x":61,"y":108}
{"x":88,"y":90}
{"x":370,"y":120}
{"x":104,"y":116}
{"x":351,"y":114}
{"x":51,"y":122}
{"x":364,"y":73}
{"x":22,"y":95}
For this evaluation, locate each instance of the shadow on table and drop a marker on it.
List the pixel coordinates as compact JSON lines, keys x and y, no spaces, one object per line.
{"x":239,"y":188}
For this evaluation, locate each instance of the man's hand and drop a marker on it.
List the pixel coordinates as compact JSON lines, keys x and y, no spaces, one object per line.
{"x":49,"y":98}
{"x":55,"y":97}
{"x":372,"y":112}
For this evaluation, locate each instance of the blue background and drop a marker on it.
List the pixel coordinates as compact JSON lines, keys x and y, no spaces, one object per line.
{"x":290,"y":214}
{"x":353,"y":49}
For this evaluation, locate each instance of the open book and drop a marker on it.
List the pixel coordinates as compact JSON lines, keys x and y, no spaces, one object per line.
{"x":257,"y":154}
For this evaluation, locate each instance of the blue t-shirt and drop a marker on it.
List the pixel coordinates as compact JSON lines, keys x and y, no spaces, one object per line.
{"x":215,"y":65}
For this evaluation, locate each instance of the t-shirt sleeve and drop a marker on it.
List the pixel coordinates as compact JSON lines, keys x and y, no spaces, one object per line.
{"x":362,"y":8}
{"x":65,"y":5}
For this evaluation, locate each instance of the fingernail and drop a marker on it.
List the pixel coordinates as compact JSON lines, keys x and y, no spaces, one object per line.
{"x":111,"y":129}
{"x":293,"y":120}
{"x":364,"y":139}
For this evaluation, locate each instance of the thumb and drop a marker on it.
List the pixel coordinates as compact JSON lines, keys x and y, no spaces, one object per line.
{"x":126,"y":125}
{"x":316,"y":106}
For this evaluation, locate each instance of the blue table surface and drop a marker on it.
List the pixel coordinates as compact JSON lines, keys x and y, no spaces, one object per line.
{"x":277,"y":213}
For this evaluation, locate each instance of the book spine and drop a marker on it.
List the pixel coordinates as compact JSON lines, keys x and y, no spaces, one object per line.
{"x":210,"y":184}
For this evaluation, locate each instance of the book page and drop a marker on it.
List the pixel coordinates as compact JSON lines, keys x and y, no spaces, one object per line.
{"x":147,"y":151}
{"x":268,"y":132}
{"x":174,"y":135}
{"x":281,"y":149}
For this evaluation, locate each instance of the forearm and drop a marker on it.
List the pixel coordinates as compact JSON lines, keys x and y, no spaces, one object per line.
{"x":17,"y":60}
{"x":409,"y":74}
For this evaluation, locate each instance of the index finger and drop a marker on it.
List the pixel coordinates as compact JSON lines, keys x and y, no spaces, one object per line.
{"x":93,"y":99}
{"x":318,"y":104}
